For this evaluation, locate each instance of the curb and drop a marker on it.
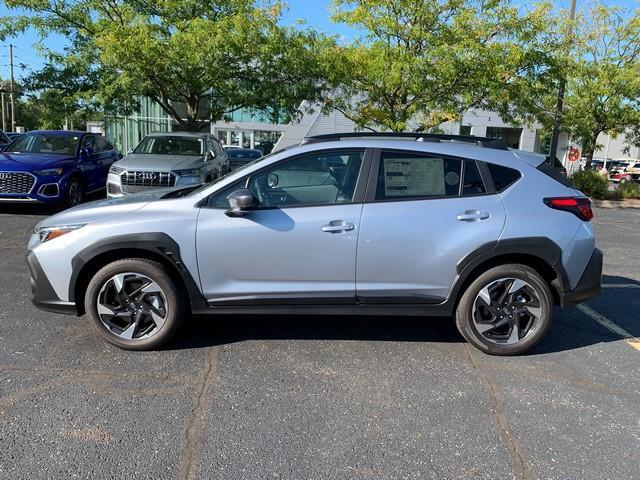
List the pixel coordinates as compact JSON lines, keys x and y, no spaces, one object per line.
{"x":615,"y":203}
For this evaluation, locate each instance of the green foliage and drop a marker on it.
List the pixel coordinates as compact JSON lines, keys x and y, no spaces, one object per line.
{"x":591,"y":183}
{"x":601,"y":65}
{"x":423,"y":62}
{"x":210,"y":56}
{"x":628,"y":190}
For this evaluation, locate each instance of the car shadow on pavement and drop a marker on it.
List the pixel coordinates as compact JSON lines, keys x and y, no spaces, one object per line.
{"x":205,"y":331}
{"x":571,"y":329}
{"x":38,"y":209}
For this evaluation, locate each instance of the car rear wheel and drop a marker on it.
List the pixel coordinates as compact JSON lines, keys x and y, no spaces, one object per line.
{"x":506,"y":310}
{"x":134,"y":304}
{"x":625,"y":179}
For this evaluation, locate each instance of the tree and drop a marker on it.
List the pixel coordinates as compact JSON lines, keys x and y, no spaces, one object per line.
{"x":423,"y":62}
{"x":210,"y":56}
{"x":603,"y":83}
{"x":600,"y":63}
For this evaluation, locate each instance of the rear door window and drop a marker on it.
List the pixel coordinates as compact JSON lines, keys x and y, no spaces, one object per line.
{"x":413,"y":175}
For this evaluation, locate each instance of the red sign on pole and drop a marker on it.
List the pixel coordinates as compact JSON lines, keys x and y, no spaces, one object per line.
{"x":574,"y":154}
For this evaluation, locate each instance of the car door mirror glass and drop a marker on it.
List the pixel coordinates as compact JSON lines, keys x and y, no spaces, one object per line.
{"x":210,"y":155}
{"x":241,"y":202}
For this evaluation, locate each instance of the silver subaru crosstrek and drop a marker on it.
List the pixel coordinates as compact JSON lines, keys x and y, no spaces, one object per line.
{"x":419,"y":224}
{"x":168,"y":159}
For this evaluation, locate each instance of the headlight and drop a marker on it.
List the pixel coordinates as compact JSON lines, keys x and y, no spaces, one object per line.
{"x":49,"y":172}
{"x":49,"y":233}
{"x":189,"y":172}
{"x":116,"y":170}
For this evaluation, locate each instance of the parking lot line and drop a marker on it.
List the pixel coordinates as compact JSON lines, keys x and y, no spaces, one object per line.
{"x":611,"y":326}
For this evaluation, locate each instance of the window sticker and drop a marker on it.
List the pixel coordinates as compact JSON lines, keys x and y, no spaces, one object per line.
{"x":452,"y":178}
{"x":414,"y":177}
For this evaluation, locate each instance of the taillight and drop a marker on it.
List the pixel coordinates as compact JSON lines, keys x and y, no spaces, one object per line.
{"x":579,"y":206}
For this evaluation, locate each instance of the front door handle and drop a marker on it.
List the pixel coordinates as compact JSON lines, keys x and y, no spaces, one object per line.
{"x":338,"y":226}
{"x":472,"y":216}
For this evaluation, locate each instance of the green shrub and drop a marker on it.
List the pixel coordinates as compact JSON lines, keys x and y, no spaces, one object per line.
{"x":591,"y":183}
{"x":628,"y":190}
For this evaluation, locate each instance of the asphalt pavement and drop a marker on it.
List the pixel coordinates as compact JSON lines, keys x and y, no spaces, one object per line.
{"x":322,"y":398}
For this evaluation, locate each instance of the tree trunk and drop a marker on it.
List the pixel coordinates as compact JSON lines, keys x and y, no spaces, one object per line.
{"x":589,"y":148}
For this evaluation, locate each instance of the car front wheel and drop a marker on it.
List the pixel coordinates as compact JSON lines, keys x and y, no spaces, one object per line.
{"x":134,"y":304}
{"x":506,"y":310}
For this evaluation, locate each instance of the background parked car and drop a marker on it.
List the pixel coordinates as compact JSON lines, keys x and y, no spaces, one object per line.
{"x":631,"y":173}
{"x":52,"y":166}
{"x":241,"y":156}
{"x":167,"y":160}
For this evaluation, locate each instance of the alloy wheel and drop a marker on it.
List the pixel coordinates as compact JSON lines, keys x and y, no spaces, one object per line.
{"x":506,"y":311}
{"x":74,"y":194}
{"x":132,"y":306}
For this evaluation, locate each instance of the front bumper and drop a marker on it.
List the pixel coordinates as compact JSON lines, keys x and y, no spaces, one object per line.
{"x":44,"y":297}
{"x":45,"y":189}
{"x":589,"y":285}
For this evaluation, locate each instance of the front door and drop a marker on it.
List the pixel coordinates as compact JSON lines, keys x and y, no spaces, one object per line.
{"x":427,"y":213}
{"x":298,"y":246}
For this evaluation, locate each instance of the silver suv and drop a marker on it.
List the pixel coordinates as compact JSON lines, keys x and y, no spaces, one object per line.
{"x":424,"y":225}
{"x":168,"y":160}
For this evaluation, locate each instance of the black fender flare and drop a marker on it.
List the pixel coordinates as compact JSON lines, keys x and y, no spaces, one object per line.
{"x":157,"y":243}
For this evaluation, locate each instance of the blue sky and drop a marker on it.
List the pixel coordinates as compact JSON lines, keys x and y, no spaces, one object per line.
{"x":316,"y":13}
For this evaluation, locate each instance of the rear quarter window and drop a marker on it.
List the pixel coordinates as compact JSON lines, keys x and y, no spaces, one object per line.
{"x":503,"y":177}
{"x":556,"y":173}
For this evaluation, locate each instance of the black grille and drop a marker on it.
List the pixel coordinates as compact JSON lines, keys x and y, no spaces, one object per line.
{"x":16,"y":182}
{"x":148,"y":179}
{"x":113,"y":189}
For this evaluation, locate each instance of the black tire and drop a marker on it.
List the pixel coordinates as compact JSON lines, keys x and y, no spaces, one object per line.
{"x":74,"y":193}
{"x":171,"y":298}
{"x":536,"y":285}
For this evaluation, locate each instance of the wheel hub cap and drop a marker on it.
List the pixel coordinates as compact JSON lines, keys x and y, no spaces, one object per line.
{"x":506,"y":311}
{"x":132,"y":306}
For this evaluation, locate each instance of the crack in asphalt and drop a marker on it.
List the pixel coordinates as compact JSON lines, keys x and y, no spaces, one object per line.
{"x":519,"y":465}
{"x":193,"y":435}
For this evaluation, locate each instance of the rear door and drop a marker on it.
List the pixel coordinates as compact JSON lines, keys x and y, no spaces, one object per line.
{"x":423,"y":213}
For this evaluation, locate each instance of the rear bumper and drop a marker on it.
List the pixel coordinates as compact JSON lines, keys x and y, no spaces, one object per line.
{"x":589,"y":285}
{"x":44,"y":296}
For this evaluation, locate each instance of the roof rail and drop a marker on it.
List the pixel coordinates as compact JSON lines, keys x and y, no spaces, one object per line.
{"x":485,"y":142}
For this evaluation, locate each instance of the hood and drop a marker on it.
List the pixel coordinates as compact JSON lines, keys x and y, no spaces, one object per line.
{"x":102,"y":209}
{"x":152,"y":162}
{"x":32,"y":161}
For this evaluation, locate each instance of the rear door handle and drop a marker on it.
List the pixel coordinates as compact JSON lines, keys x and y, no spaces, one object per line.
{"x":338,"y":226}
{"x":472,"y":216}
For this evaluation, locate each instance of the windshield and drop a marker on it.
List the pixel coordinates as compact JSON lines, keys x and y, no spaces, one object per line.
{"x":45,"y":143}
{"x":171,"y":145}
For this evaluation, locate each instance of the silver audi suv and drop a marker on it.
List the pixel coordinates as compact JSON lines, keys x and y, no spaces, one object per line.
{"x":168,"y":160}
{"x":418,"y":224}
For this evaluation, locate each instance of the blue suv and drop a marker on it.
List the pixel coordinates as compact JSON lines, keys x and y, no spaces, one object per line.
{"x":51,"y":166}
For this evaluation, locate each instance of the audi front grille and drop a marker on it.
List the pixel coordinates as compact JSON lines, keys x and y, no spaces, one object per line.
{"x":16,"y":182}
{"x":147,"y":179}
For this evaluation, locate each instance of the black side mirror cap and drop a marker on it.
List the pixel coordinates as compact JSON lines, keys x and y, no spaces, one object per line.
{"x":241,"y":202}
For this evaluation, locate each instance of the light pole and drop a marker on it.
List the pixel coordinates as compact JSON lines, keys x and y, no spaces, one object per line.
{"x":557,"y":119}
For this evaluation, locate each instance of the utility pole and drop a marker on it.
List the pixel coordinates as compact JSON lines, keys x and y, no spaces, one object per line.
{"x":13,"y":104}
{"x":557,"y":120}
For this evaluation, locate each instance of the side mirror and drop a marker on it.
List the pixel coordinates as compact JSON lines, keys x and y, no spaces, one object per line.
{"x":241,"y":202}
{"x":130,"y":151}
{"x":87,"y":152}
{"x":210,"y":155}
